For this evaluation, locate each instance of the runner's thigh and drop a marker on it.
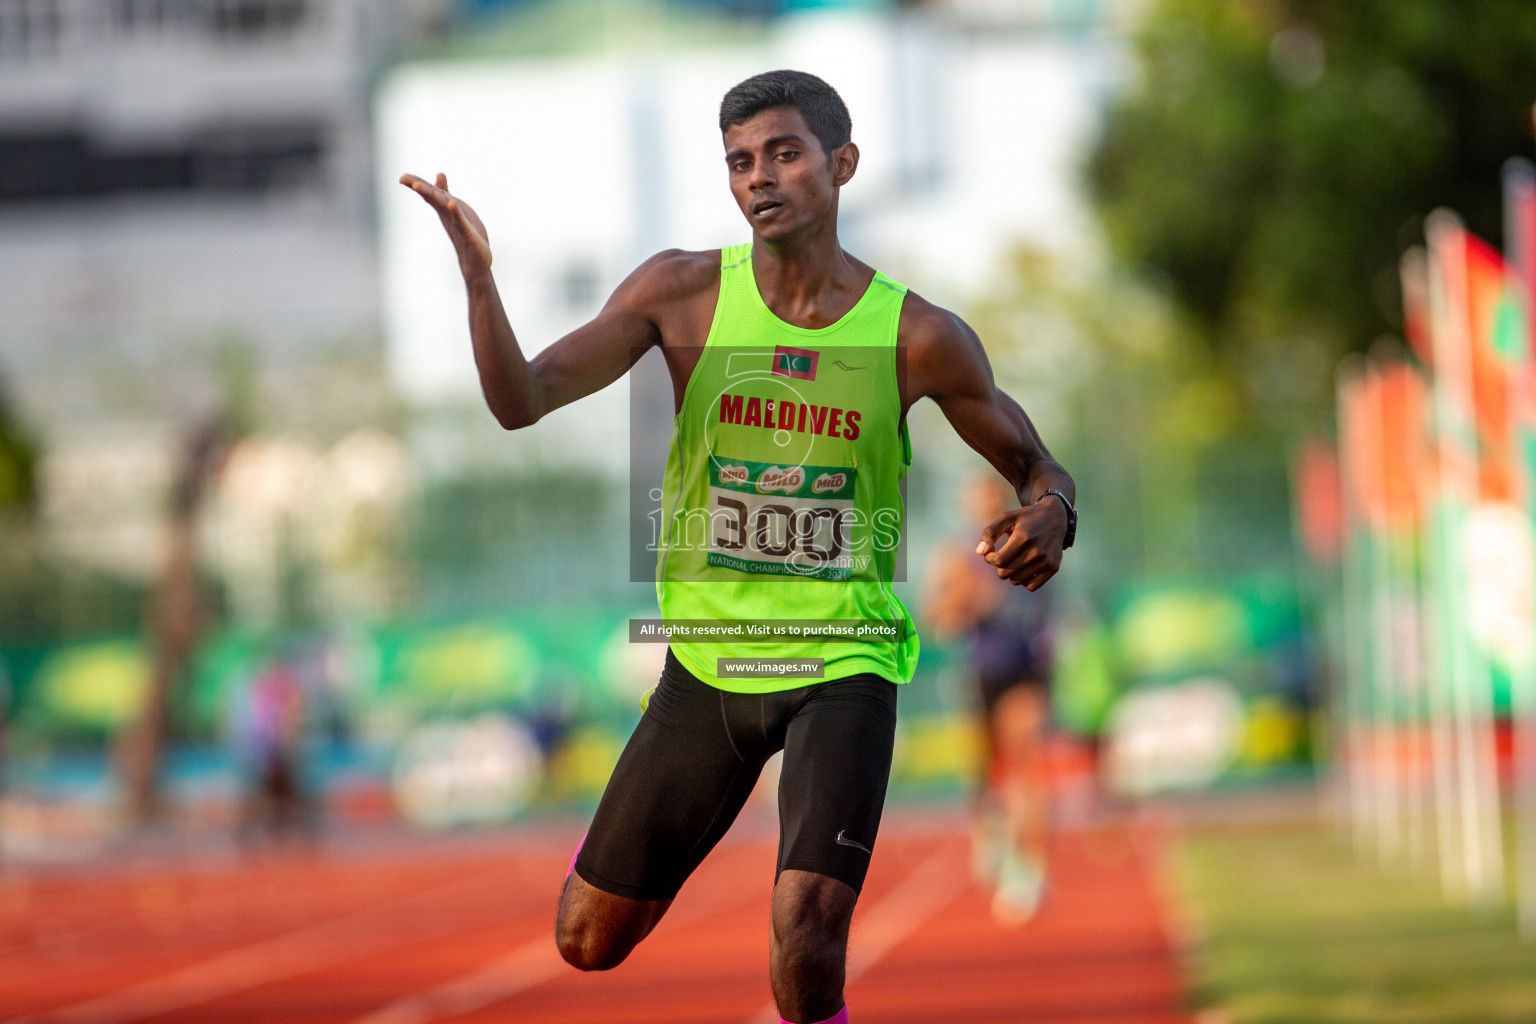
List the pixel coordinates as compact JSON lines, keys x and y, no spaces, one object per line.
{"x":682,"y":779}
{"x":837,"y":761}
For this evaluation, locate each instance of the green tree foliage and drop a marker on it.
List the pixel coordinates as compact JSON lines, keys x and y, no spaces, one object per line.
{"x":1274,"y":157}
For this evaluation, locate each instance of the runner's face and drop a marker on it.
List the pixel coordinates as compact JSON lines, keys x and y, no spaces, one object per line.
{"x":782,"y":179}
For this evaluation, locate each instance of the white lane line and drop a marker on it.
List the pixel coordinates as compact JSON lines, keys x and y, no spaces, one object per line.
{"x":526,"y":966}
{"x":363,"y":932}
{"x":522,"y":968}
{"x":932,"y":886}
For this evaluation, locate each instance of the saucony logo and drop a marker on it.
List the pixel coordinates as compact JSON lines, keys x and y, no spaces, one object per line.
{"x":844,"y":366}
{"x":843,"y":840}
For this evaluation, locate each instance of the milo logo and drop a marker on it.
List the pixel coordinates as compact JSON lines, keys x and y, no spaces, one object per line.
{"x":829,"y":482}
{"x":775,"y":479}
{"x":733,"y":474}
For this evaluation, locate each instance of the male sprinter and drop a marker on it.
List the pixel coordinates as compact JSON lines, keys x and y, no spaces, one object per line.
{"x":827,"y":331}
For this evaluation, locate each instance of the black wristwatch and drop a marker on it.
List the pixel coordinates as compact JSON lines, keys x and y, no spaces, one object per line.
{"x":1071,"y":517}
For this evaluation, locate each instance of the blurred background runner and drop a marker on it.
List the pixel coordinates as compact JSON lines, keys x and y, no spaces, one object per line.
{"x":1007,"y":630}
{"x":269,"y":736}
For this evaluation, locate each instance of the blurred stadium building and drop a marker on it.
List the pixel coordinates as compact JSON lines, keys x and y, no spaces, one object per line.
{"x":185,"y":212}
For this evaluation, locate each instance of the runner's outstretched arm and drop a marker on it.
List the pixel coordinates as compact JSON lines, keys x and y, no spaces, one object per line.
{"x":946,"y":362}
{"x":518,"y":391}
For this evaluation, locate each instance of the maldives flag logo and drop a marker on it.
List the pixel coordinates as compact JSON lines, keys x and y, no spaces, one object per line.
{"x":795,"y":362}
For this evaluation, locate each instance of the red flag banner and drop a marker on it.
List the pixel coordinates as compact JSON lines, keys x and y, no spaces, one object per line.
{"x":1481,"y":352}
{"x":1319,"y":503}
{"x":1404,"y":407}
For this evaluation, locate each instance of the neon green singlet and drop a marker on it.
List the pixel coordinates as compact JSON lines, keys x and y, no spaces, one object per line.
{"x":782,"y":491}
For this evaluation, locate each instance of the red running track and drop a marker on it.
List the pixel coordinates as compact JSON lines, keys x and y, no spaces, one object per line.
{"x":460,"y":930}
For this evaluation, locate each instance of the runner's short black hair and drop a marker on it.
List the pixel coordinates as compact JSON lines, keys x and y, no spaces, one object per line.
{"x":823,"y":109}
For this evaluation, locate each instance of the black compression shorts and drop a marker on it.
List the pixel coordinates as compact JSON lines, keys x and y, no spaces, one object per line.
{"x":696,"y":754}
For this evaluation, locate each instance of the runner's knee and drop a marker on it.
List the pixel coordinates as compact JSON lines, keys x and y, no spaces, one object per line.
{"x":811,"y":914}
{"x":584,"y":933}
{"x":596,"y":931}
{"x":587,"y":945}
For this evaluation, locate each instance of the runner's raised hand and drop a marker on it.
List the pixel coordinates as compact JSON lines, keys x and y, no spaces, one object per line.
{"x":470,"y":239}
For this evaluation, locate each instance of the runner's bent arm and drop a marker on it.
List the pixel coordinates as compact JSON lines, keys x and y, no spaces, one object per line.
{"x":518,"y":391}
{"x":946,"y":362}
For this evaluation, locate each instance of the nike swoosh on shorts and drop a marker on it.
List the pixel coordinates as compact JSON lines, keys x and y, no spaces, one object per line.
{"x":843,"y":840}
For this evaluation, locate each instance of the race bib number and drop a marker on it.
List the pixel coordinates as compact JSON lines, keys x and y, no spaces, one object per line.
{"x":781,"y":520}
